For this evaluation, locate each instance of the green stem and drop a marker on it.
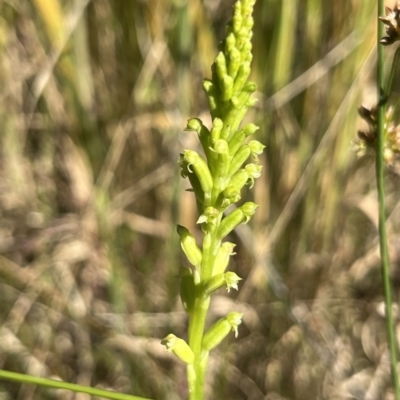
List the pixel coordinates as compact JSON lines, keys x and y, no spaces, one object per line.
{"x":52,"y":383}
{"x":392,"y":75}
{"x":196,"y":373}
{"x":196,"y":331}
{"x":382,"y":217}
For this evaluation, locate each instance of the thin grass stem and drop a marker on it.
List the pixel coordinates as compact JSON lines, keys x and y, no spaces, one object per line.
{"x":390,"y":327}
{"x":52,"y":383}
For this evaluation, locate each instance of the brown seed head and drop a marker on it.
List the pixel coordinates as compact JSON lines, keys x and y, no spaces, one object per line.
{"x":392,"y":22}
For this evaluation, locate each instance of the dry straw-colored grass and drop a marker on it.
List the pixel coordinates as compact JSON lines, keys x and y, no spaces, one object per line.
{"x":93,"y":101}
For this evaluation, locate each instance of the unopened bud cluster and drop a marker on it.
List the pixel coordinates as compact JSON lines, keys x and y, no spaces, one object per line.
{"x":228,"y":163}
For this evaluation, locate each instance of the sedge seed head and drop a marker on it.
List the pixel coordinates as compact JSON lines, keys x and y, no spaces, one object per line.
{"x":392,"y":24}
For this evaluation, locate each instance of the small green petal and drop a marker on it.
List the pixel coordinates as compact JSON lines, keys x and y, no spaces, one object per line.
{"x":179,"y":347}
{"x":234,"y":319}
{"x":231,"y":280}
{"x":209,"y":218}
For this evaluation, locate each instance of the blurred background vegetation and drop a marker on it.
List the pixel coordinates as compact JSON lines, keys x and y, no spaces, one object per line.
{"x":94,"y":96}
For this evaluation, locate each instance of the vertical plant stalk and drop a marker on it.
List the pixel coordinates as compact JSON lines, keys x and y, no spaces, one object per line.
{"x":382,"y":97}
{"x":217,"y":178}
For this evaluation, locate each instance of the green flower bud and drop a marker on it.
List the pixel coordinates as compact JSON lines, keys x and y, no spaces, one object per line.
{"x":229,"y":118}
{"x":239,"y":179}
{"x":249,"y":210}
{"x":250,"y":87}
{"x":234,"y":62}
{"x":184,"y":166}
{"x":226,"y":87}
{"x":237,"y":17}
{"x":216,"y":130}
{"x":200,"y":168}
{"x":179,"y":347}
{"x":208,"y":86}
{"x":221,"y":147}
{"x":220,"y":66}
{"x":241,"y":78}
{"x":237,"y":104}
{"x":243,"y":34}
{"x":186,"y":172}
{"x":248,"y":24}
{"x":189,"y":247}
{"x":251,"y":102}
{"x":239,"y":159}
{"x":222,"y":166}
{"x":254,"y":172}
{"x":242,"y":102}
{"x":239,"y":137}
{"x":236,"y":141}
{"x":213,"y":104}
{"x":247,"y":47}
{"x":210,"y":218}
{"x":250,"y":129}
{"x":229,"y":279}
{"x":229,"y":196}
{"x":223,"y":257}
{"x":234,"y":319}
{"x":194,"y":181}
{"x":256,"y":147}
{"x":236,"y":217}
{"x":196,"y":125}
{"x":230,"y":222}
{"x":213,"y":284}
{"x":230,"y":42}
{"x":217,"y":332}
{"x":212,"y":97}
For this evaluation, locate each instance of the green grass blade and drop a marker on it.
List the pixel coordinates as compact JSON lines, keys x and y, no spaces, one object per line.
{"x":51,"y":383}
